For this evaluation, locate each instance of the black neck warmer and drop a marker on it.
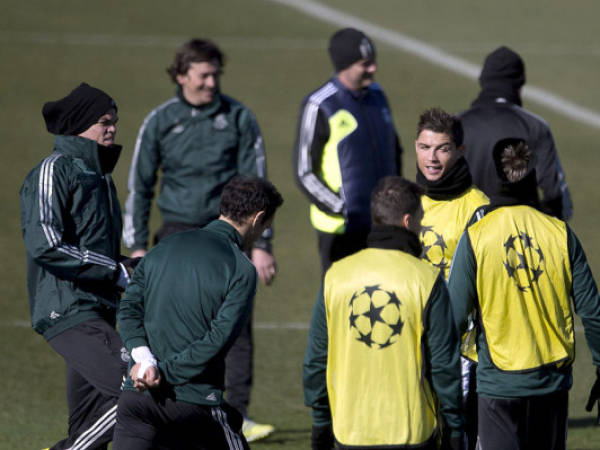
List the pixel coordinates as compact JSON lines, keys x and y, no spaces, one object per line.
{"x":522,"y":192}
{"x":390,"y":237}
{"x":490,"y":94}
{"x":456,"y":181}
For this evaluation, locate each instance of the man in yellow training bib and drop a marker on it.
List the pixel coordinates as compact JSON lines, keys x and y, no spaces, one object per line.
{"x":517,"y":270}
{"x":382,"y":365}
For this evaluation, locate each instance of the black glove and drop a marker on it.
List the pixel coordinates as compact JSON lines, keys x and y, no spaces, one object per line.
{"x":130,"y":263}
{"x":321,"y":437}
{"x":595,"y":396}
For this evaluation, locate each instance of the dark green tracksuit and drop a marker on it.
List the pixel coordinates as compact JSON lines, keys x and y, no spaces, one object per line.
{"x":71,"y":222}
{"x":188,"y":300}
{"x":199,"y":149}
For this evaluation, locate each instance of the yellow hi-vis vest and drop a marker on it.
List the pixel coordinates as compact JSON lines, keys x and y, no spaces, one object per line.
{"x":374,"y":303}
{"x":524,"y":288}
{"x":444,"y":221}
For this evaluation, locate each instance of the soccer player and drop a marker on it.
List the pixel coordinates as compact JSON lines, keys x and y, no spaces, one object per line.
{"x":450,"y":198}
{"x":200,"y":139}
{"x":71,"y":223}
{"x":382,"y":360}
{"x":346,"y":141}
{"x":517,"y":270}
{"x":188,"y":300}
{"x":449,"y":204}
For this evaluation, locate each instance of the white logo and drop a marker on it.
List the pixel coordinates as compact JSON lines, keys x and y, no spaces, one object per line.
{"x":212,"y":397}
{"x":178,"y":129}
{"x":220,"y":122}
{"x":125,"y":355}
{"x":54,"y":315}
{"x":365,"y":48}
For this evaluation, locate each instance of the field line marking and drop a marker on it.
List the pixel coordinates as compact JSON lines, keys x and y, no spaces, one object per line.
{"x":436,"y":56}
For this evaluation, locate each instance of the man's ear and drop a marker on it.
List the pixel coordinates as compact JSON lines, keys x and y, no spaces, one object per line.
{"x":406,"y":221}
{"x":257,"y":219}
{"x":461,"y":149}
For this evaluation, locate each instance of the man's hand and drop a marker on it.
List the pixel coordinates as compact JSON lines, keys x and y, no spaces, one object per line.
{"x":147,"y":380}
{"x":265,"y":265}
{"x":595,"y":396}
{"x":139,"y":253}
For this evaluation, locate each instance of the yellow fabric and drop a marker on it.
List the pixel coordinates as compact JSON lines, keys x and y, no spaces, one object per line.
{"x":377,"y":391}
{"x":443,"y":224}
{"x":341,"y":124}
{"x":523,"y":284}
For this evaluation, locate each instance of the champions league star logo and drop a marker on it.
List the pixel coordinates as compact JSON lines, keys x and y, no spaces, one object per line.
{"x":524,"y":267}
{"x":434,"y":247}
{"x":375,"y":317}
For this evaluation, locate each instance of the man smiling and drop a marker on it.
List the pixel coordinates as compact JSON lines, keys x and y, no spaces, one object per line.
{"x":450,"y":203}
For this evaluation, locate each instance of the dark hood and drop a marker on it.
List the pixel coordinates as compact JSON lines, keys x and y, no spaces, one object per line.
{"x":502,"y":75}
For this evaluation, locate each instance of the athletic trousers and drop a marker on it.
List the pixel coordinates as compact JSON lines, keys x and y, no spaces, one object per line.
{"x":96,"y":363}
{"x":147,"y":422}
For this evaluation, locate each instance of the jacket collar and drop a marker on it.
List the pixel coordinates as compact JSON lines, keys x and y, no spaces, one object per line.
{"x":204,"y":110}
{"x":224,"y":229}
{"x":390,"y":237}
{"x":456,"y":181}
{"x":97,"y":157}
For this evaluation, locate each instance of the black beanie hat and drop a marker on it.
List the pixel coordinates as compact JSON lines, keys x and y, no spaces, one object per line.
{"x":349,"y":45}
{"x":503,"y":66}
{"x":78,"y":111}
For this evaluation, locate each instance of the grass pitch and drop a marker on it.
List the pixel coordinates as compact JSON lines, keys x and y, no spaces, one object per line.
{"x":275,"y":56}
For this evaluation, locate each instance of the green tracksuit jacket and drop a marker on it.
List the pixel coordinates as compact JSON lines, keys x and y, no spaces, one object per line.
{"x":188,"y":301}
{"x":71,"y":221}
{"x":199,"y":149}
{"x":464,"y":287}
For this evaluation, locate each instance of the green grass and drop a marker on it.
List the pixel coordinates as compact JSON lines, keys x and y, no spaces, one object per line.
{"x":275,"y":56}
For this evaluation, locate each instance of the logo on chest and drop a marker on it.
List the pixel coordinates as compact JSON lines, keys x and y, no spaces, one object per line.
{"x":434,"y":249}
{"x":220,"y":122}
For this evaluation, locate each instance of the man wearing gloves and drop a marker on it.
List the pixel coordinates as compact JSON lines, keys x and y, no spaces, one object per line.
{"x":71,"y":222}
{"x":187,"y":302}
{"x":497,"y":114}
{"x":516,"y":270}
{"x":382,"y":349}
{"x":346,"y":142}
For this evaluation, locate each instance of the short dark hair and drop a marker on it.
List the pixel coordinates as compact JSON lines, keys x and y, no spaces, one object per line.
{"x":393,"y":197}
{"x":243,"y":196}
{"x":439,"y":121}
{"x":194,"y":50}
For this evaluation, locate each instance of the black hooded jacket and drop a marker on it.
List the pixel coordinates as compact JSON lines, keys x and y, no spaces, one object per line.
{"x":497,"y":114}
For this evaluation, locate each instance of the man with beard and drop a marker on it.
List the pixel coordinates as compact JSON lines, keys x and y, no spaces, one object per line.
{"x":346,"y":142}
